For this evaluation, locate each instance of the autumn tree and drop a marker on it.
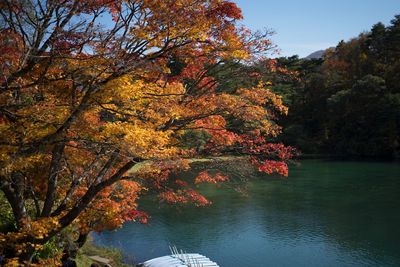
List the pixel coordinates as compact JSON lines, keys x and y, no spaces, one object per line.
{"x":88,"y":90}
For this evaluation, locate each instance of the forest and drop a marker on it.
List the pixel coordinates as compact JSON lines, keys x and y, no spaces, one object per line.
{"x":348,"y":103}
{"x":90,"y":90}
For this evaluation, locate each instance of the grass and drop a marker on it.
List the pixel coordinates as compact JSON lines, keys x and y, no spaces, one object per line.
{"x":89,"y":249}
{"x":140,"y":165}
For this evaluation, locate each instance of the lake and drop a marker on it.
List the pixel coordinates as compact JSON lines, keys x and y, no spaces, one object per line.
{"x":327,"y":213}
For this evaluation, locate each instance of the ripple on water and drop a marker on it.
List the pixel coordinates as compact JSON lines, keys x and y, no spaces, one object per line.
{"x":324,"y":214}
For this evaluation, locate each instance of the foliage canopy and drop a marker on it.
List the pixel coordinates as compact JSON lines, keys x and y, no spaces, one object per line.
{"x":89,"y":89}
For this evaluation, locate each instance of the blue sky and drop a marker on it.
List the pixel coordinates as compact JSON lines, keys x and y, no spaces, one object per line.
{"x":304,"y":26}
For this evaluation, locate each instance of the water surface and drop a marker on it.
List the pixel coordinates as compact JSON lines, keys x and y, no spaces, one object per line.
{"x":327,"y":213}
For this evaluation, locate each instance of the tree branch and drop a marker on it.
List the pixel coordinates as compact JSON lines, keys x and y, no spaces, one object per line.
{"x":55,"y":166}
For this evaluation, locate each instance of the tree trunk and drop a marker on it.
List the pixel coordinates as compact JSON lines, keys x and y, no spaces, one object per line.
{"x":14,"y":192}
{"x":53,"y":175}
{"x":82,"y":239}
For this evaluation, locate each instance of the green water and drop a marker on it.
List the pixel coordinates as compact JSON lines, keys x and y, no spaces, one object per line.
{"x":327,"y":213}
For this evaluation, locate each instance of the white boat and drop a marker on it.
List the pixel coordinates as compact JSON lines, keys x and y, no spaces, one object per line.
{"x":180,"y":259}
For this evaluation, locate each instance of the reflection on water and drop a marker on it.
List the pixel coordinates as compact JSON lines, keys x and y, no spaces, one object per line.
{"x":328,"y":213}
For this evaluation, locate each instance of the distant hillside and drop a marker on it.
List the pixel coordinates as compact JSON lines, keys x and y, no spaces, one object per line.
{"x":316,"y":55}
